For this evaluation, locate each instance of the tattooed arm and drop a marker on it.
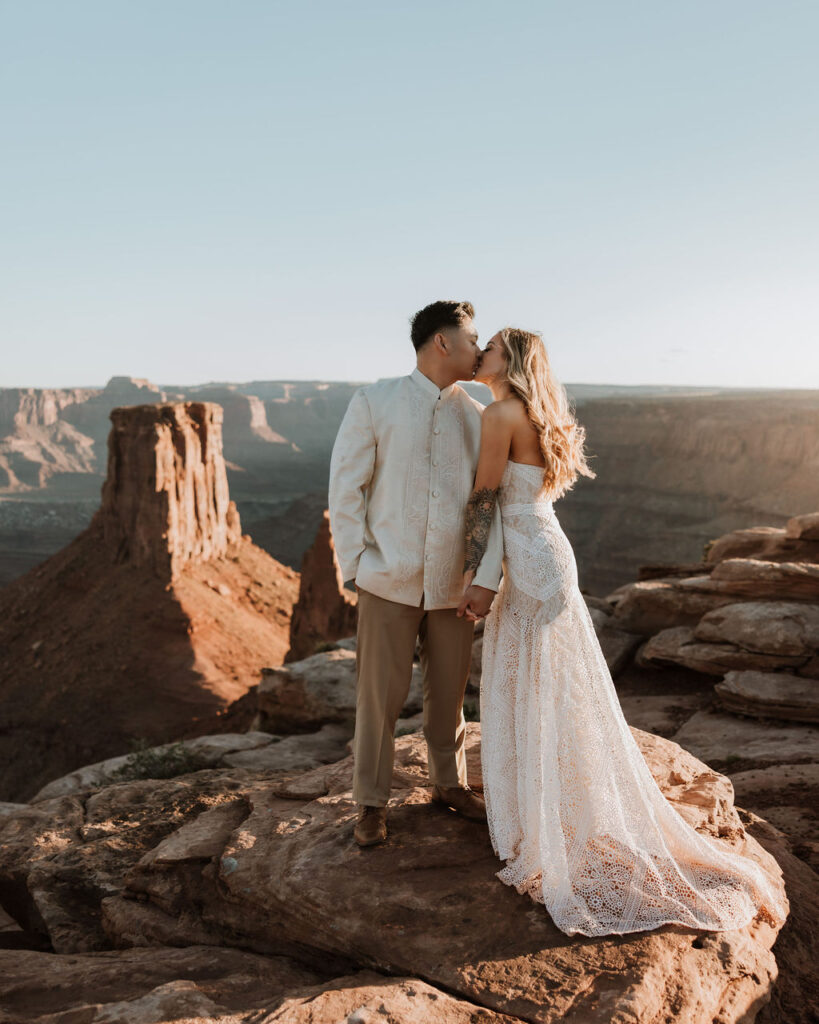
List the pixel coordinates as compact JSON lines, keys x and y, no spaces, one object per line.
{"x":482,"y":516}
{"x":480,"y":511}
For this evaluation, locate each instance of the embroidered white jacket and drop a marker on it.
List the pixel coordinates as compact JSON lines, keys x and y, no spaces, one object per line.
{"x":402,"y":470}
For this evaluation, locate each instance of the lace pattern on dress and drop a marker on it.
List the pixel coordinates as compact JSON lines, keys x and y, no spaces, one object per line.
{"x":572,"y":806}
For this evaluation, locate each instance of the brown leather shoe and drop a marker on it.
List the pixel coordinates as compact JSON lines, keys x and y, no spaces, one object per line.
{"x":461,"y":799}
{"x":371,"y":827}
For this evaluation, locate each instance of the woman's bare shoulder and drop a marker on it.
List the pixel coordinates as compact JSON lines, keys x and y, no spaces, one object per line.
{"x":509,"y":410}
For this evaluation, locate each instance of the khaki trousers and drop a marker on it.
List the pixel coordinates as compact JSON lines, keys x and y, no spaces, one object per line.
{"x":386,"y":638}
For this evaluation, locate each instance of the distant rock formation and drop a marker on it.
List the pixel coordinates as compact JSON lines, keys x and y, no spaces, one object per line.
{"x":326,"y":610}
{"x":675,"y":471}
{"x":51,"y":435}
{"x":165,"y":500}
{"x":245,"y":416}
{"x":36,"y":442}
{"x":676,"y":467}
{"x":36,"y":407}
{"x":158,"y":614}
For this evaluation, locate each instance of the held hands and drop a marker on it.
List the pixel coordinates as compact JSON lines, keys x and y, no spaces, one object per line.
{"x":476,"y":602}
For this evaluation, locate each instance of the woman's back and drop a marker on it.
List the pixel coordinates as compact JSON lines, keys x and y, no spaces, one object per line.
{"x":525,"y":447}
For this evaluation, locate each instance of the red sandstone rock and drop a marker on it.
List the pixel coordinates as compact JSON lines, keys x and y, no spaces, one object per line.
{"x":326,"y":610}
{"x":793,"y":543}
{"x":222,"y":858}
{"x":158,"y":615}
{"x":165,"y":500}
{"x":803,"y":527}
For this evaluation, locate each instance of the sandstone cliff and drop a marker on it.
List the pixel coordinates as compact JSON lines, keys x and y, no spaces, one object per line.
{"x":36,"y":442}
{"x":325,"y":610}
{"x":157,"y":614}
{"x":165,"y":499}
{"x":674,"y":472}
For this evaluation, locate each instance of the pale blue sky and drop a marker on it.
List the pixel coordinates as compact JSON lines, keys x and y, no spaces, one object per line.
{"x":199,"y":191}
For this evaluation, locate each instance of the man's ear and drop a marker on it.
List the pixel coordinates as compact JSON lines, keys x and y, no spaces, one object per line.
{"x":439,"y":341}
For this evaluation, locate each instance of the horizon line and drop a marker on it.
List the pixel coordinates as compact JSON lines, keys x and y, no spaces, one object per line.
{"x":361,"y":383}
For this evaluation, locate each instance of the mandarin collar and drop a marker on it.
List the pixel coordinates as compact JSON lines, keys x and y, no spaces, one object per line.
{"x":430,"y":386}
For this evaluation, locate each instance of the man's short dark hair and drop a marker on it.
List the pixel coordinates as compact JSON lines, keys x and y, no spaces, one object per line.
{"x":435,"y":317}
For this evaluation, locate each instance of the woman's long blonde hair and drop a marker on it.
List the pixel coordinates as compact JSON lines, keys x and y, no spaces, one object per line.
{"x":529,"y":374}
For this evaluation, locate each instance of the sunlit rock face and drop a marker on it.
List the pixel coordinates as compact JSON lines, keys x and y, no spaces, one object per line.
{"x":239,"y":857}
{"x":165,"y":500}
{"x":159,"y":614}
{"x":326,"y":610}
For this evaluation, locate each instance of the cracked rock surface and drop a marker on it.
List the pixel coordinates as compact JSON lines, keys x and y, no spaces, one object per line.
{"x":231,"y":862}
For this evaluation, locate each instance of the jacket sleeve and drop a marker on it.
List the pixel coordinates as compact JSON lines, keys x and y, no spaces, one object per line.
{"x":351,"y":469}
{"x":488,"y":573}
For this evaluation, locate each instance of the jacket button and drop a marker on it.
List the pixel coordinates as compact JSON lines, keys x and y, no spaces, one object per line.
{"x":434,"y":494}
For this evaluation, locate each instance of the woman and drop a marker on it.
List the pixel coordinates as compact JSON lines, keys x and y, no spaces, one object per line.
{"x":571,"y":804}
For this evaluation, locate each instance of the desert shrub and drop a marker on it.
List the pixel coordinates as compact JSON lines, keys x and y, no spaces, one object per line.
{"x":146,"y":762}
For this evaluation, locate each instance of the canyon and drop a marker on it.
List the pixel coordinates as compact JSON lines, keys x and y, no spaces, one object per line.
{"x":177,"y":708}
{"x":675,"y":466}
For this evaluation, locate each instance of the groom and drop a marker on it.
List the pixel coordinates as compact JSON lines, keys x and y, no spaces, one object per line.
{"x":401,"y":473}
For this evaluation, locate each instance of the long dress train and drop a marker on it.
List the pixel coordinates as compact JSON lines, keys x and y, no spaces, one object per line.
{"x":572,"y":806}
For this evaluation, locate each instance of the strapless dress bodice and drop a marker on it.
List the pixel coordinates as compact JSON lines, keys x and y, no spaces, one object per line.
{"x":521,"y":491}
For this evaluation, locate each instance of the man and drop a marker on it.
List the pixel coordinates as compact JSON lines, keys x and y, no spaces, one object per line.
{"x":401,"y":473}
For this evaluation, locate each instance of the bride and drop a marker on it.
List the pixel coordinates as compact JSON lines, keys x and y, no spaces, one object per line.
{"x":571,"y":805}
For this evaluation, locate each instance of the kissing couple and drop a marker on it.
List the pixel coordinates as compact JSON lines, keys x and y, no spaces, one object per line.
{"x":442,"y":514}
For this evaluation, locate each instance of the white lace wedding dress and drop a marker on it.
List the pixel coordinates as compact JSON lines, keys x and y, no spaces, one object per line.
{"x":571,"y":804}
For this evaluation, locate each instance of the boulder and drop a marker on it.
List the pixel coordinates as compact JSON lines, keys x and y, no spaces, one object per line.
{"x":797,"y":541}
{"x":600,"y":603}
{"x":679,"y":646}
{"x":260,"y":751}
{"x":232,"y":858}
{"x":296,"y":753}
{"x":648,"y":606}
{"x":770,"y":695}
{"x":732,"y":744}
{"x":617,"y":646}
{"x":205,"y":751}
{"x":440,"y":913}
{"x":667,"y":570}
{"x":370,"y":998}
{"x":752,"y":542}
{"x":207,"y":985}
{"x":60,"y":857}
{"x":803,"y":527}
{"x":766,"y":627}
{"x":198,"y":984}
{"x":758,"y":580}
{"x":304,"y":695}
